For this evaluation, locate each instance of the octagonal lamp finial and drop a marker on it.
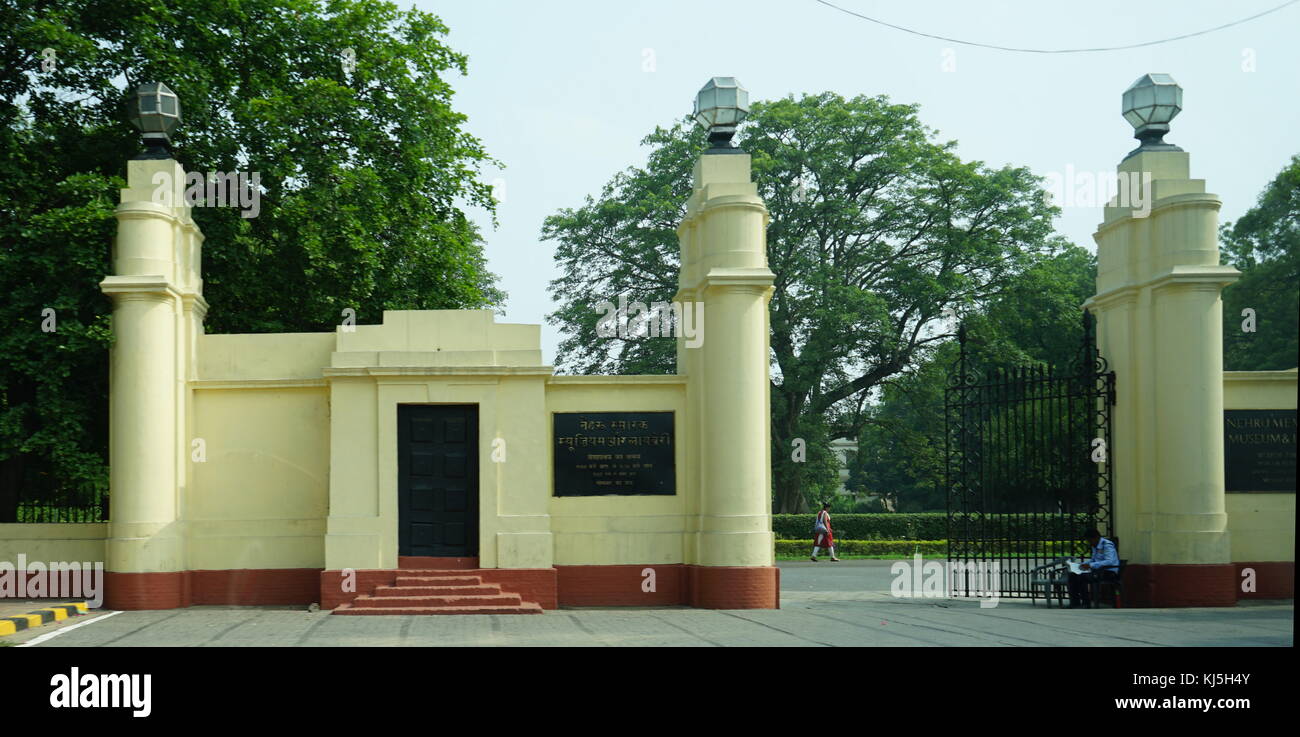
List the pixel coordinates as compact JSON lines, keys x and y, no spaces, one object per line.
{"x":720,"y":106}
{"x":1148,"y":105}
{"x":156,"y":111}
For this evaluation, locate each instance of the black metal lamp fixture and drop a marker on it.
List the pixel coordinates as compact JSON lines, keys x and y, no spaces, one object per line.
{"x":721,"y":105}
{"x":156,"y":111}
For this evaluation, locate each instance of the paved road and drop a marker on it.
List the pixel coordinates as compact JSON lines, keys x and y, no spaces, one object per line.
{"x":823,"y":604}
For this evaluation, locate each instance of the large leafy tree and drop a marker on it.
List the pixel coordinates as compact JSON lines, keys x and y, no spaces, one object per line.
{"x":1035,"y":321}
{"x":363,"y":172}
{"x":900,"y":449}
{"x":1265,"y":245}
{"x":875,"y":229}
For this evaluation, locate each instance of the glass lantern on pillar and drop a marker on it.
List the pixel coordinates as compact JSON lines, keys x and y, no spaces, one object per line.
{"x":1148,"y":105}
{"x":720,"y":106}
{"x":156,"y":111}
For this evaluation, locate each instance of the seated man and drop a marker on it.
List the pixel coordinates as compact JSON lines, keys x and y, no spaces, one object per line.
{"x":1105,"y":560}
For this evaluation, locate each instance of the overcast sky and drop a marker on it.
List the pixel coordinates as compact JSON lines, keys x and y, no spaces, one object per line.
{"x":562,"y":92}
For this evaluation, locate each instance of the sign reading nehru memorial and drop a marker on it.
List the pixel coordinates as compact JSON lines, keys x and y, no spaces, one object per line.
{"x":599,"y":453}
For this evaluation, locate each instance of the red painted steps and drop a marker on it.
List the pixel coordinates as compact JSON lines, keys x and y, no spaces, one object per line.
{"x":527,"y":607}
{"x":494,"y":600}
{"x":438,"y":591}
{"x":475,"y":590}
{"x":432,"y":578}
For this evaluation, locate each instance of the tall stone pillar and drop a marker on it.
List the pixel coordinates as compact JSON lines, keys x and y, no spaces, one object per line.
{"x":724,"y":267}
{"x":1159,"y":324}
{"x":158,"y":311}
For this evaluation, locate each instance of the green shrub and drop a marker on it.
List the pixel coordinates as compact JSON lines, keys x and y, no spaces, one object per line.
{"x":930,"y":548}
{"x":901,"y":548}
{"x":927,"y":526}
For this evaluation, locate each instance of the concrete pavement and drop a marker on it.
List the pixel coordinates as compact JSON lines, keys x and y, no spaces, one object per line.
{"x":823,"y":604}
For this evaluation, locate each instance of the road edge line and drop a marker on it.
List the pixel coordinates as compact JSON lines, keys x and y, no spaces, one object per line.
{"x":51,"y":635}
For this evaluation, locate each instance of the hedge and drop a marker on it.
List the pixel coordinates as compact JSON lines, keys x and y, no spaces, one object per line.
{"x":935,"y":548}
{"x":928,"y":526}
{"x":902,"y":548}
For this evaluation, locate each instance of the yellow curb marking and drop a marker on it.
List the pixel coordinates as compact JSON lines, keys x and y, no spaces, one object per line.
{"x":34,"y":619}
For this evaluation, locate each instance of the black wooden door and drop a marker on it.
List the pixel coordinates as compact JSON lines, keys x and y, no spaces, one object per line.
{"x":437,"y":480}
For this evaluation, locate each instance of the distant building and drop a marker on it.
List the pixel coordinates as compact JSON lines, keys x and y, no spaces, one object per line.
{"x":842,"y":447}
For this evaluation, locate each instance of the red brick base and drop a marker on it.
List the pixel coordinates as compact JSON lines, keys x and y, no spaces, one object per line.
{"x":622,"y":585}
{"x":728,"y":587}
{"x":256,"y":587}
{"x":147,"y":590}
{"x":1174,"y":585}
{"x":1273,"y":580}
{"x":705,"y":587}
{"x":245,"y":587}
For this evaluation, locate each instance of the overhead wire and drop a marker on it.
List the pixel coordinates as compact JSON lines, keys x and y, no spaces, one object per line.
{"x":1056,"y":51}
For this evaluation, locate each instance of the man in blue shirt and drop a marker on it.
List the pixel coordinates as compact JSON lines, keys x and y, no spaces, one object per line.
{"x":1103,"y":565}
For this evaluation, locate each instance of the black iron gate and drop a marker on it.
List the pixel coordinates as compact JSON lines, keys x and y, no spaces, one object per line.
{"x":1028,"y":466}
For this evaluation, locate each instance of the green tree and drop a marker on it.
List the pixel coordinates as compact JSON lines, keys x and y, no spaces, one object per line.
{"x":900,"y":448}
{"x":810,"y":459}
{"x":363,"y":174}
{"x":1265,"y":245}
{"x":1036,"y":320}
{"x":1039,"y":317}
{"x":875,"y":228}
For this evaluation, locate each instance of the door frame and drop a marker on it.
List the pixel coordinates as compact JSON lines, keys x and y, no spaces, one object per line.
{"x":473,"y":491}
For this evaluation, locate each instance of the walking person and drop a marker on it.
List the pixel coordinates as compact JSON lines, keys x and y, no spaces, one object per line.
{"x":823,"y":537}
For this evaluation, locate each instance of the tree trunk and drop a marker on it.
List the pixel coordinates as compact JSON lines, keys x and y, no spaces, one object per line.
{"x":786,"y":494}
{"x":787,"y":482}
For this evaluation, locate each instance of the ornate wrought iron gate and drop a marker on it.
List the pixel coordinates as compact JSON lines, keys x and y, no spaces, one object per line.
{"x":1028,"y":466}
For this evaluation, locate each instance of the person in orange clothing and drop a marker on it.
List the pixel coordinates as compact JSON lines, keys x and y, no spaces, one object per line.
{"x":823,"y":537}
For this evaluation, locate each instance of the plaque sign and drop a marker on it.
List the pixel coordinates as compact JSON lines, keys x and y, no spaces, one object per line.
{"x":1259,"y":450}
{"x":613,"y":453}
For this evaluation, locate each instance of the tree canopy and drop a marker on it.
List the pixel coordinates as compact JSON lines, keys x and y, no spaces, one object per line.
{"x":875,"y":228}
{"x":1265,"y":245}
{"x":363,"y":174}
{"x":1037,"y":320}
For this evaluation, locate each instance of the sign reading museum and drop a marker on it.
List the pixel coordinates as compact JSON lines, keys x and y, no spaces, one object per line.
{"x":1259,"y":449}
{"x":601,"y":453}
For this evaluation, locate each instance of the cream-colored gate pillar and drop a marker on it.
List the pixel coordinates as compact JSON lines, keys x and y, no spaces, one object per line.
{"x":158,"y":311}
{"x":724,"y":269}
{"x":1159,"y":324}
